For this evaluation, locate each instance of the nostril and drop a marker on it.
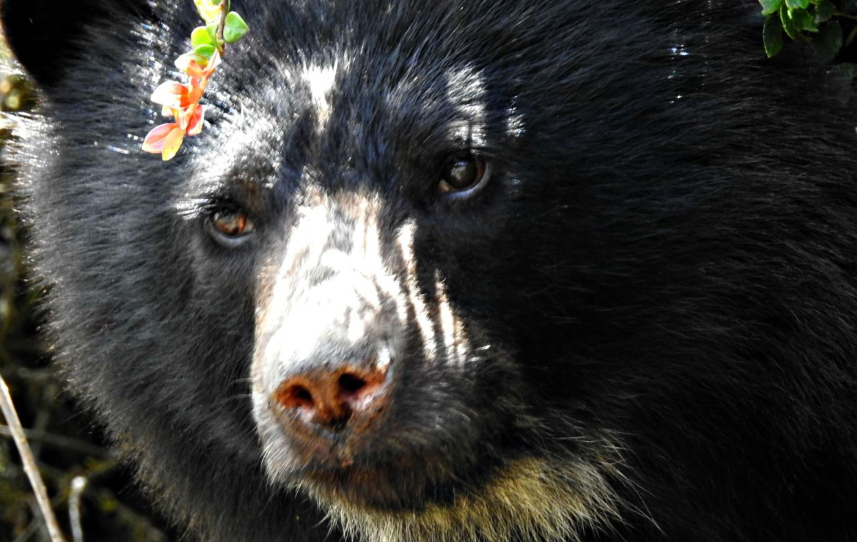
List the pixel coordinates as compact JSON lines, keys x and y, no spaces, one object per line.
{"x":301,"y":394}
{"x":293,"y":395}
{"x":332,"y":397}
{"x":356,"y":387}
{"x":351,"y":384}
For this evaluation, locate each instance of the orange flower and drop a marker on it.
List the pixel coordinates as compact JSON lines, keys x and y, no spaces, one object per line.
{"x":182,"y":100}
{"x":190,"y":119}
{"x":198,"y":68}
{"x":200,"y":74}
{"x":176,"y":95}
{"x":166,"y":139}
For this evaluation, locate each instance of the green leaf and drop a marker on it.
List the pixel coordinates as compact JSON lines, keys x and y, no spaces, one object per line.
{"x":823,"y":11}
{"x":209,"y":10}
{"x":770,"y":6}
{"x":828,"y":43}
{"x":788,"y":24}
{"x":212,"y":32}
{"x":235,"y":28}
{"x":773,"y":35}
{"x":797,"y":4}
{"x":803,"y":20}
{"x":205,"y":50}
{"x":201,"y":36}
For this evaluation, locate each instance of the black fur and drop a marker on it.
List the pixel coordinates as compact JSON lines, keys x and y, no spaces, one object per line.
{"x":655,"y":291}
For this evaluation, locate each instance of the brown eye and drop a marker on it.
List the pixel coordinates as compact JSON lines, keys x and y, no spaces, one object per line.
{"x":230,"y":226}
{"x":463,"y":176}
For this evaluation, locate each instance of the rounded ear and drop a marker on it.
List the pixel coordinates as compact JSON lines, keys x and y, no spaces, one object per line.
{"x":43,"y":33}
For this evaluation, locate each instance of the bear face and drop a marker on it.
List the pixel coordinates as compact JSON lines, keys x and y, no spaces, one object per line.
{"x":451,"y":271}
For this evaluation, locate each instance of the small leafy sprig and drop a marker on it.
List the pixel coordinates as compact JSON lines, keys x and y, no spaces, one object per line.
{"x":181,"y":100}
{"x":816,"y":22}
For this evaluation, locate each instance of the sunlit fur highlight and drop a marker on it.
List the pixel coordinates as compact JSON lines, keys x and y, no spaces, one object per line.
{"x":536,"y":500}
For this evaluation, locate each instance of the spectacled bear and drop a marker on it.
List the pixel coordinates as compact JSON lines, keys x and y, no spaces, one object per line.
{"x":448,"y":271}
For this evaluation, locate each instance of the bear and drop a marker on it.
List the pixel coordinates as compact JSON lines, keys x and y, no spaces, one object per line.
{"x":448,"y":271}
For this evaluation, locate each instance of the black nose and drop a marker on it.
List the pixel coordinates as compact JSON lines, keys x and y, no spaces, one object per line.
{"x":335,"y":397}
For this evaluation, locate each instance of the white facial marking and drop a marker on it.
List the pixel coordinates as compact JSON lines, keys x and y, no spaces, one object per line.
{"x":466,"y":89}
{"x":451,"y":328}
{"x":321,"y":80}
{"x":424,"y":322}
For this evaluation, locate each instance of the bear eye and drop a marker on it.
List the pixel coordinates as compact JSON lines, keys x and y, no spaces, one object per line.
{"x":230,"y":226}
{"x":464,"y":176}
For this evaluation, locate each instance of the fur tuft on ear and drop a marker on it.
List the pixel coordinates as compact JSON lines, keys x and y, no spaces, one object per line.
{"x":43,"y":33}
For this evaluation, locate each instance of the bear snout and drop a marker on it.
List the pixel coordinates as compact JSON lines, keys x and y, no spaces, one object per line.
{"x":333,"y":397}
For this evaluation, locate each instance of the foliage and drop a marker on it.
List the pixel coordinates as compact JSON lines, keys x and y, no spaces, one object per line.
{"x":820,"y":23}
{"x":182,"y":100}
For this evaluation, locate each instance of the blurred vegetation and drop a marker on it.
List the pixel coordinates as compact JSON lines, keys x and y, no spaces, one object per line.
{"x":66,"y":444}
{"x":829,"y":27}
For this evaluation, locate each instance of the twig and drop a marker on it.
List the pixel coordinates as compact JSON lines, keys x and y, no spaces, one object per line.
{"x":850,"y":39}
{"x":29,"y":462}
{"x":31,"y":528}
{"x":78,"y":484}
{"x":838,"y":13}
{"x":59,"y":441}
{"x":221,"y":43}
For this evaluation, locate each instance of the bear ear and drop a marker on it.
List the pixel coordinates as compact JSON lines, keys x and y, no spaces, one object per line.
{"x":43,"y":33}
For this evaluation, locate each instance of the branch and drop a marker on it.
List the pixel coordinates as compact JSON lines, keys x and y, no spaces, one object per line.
{"x":29,"y":462}
{"x":221,"y":43}
{"x":78,"y":484}
{"x":59,"y":441}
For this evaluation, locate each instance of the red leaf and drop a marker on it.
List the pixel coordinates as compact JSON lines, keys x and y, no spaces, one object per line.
{"x":172,"y":143}
{"x":154,"y":141}
{"x":194,"y":122}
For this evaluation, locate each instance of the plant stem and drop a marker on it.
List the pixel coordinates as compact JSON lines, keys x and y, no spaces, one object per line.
{"x":78,"y":485}
{"x":844,"y":15}
{"x":850,"y":39}
{"x":29,"y":462}
{"x":221,"y":43}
